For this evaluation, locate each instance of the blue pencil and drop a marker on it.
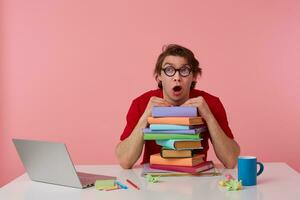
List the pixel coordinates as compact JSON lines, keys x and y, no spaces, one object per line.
{"x":121,"y":185}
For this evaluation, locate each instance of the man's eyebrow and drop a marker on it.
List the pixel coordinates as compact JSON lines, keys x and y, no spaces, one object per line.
{"x":173,"y":64}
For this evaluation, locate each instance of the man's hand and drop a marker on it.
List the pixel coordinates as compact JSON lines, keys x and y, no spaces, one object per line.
{"x":226,"y":149}
{"x":202,"y":106}
{"x":154,"y":101}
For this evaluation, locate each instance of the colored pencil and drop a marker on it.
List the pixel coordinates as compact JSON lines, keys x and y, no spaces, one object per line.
{"x":121,"y":185}
{"x":131,"y":183}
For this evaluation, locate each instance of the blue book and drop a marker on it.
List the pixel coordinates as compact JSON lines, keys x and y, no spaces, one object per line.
{"x":175,"y":111}
{"x":180,"y":144}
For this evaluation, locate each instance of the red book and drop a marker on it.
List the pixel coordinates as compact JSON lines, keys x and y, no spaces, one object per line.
{"x":206,"y":165}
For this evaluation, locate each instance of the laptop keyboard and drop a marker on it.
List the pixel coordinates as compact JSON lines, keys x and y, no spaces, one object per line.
{"x":86,"y":175}
{"x":87,"y":179}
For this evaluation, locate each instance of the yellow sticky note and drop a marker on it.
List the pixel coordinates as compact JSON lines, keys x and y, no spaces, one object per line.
{"x":103,"y":184}
{"x":112,"y":188}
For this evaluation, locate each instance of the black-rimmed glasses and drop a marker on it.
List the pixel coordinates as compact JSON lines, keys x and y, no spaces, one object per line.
{"x":183,"y":71}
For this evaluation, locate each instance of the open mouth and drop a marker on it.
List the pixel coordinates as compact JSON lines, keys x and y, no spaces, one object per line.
{"x":177,"y":88}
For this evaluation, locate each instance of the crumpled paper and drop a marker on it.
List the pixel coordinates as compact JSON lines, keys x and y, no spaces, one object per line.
{"x":152,"y":179}
{"x":231,"y":183}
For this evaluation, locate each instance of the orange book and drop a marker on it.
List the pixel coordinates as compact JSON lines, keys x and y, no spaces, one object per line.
{"x":176,"y":120}
{"x":195,"y":160}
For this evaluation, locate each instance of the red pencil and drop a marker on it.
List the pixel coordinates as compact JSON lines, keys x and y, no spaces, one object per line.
{"x":131,"y":183}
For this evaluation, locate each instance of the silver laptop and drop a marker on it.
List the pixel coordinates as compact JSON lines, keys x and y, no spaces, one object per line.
{"x":50,"y":162}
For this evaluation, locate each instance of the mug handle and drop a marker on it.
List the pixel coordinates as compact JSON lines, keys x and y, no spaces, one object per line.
{"x":261,"y":168}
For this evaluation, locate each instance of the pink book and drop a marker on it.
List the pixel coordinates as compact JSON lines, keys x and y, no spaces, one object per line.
{"x":206,"y":165}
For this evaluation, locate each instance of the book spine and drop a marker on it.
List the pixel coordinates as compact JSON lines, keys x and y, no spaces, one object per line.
{"x":149,"y":136}
{"x":162,"y":127}
{"x":172,"y":168}
{"x":206,"y":165}
{"x":187,"y":162}
{"x":191,"y":153}
{"x":163,"y":152}
{"x":190,"y":131}
{"x":170,"y":143}
{"x":176,"y":120}
{"x":175,"y":111}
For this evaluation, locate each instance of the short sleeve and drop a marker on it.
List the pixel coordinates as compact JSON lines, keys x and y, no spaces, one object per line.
{"x":132,"y":119}
{"x":220,"y":115}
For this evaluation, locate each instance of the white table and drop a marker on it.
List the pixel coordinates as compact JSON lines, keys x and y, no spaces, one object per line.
{"x":278,"y":181}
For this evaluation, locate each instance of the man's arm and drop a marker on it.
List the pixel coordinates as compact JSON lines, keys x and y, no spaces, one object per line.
{"x":227,"y":150}
{"x":129,"y":150}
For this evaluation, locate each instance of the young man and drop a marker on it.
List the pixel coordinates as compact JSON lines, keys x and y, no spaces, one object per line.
{"x":176,"y":72}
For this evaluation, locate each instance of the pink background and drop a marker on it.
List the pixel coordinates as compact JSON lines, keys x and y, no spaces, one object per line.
{"x":69,"y":70}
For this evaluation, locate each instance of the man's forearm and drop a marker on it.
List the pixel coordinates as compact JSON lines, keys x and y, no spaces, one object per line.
{"x":226,"y":149}
{"x":129,"y":150}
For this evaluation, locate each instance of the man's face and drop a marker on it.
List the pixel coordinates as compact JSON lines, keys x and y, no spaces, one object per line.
{"x":176,"y":88}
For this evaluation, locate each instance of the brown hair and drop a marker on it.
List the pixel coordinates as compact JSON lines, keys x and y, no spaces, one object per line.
{"x":177,"y":50}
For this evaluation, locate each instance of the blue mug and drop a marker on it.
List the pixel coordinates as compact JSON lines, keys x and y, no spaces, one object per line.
{"x":247,"y":170}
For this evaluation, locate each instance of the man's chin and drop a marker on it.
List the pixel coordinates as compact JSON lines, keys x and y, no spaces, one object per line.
{"x":178,"y":100}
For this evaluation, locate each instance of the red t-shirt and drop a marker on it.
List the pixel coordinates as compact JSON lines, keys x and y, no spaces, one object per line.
{"x":139,"y":105}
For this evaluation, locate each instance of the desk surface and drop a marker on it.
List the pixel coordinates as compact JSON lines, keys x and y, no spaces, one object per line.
{"x":278,"y":181}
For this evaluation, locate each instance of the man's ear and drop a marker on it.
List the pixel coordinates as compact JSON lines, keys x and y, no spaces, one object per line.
{"x":195,"y":78}
{"x":158,"y":78}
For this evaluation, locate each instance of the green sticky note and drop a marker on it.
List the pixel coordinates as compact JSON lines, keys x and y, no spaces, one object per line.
{"x":103,"y":184}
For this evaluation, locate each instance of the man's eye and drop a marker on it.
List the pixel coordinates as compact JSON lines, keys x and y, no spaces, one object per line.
{"x":169,"y":69}
{"x":185,"y":70}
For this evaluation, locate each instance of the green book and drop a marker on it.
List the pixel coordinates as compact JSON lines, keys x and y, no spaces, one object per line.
{"x":157,"y":136}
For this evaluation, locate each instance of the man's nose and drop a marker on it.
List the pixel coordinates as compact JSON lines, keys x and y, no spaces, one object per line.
{"x":176,"y":76}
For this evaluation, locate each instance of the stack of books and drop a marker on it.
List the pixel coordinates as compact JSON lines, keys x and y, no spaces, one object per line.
{"x":178,"y":130}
